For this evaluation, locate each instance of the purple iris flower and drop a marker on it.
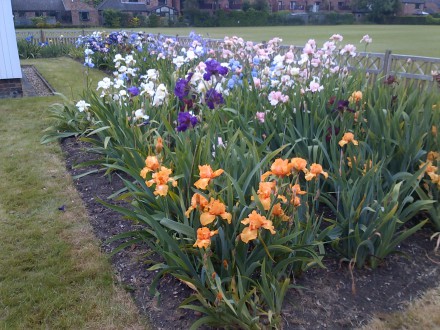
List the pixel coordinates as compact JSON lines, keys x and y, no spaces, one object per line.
{"x":212,"y":68}
{"x":185,"y":121}
{"x":329,"y":135}
{"x":343,"y":106}
{"x":213,"y":98}
{"x":182,"y":87}
{"x":133,"y":91}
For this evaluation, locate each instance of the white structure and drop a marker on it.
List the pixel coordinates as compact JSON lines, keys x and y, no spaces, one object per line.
{"x":10,"y":70}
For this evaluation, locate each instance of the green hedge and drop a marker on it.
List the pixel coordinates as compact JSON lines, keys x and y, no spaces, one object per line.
{"x":413,"y":20}
{"x":253,"y":17}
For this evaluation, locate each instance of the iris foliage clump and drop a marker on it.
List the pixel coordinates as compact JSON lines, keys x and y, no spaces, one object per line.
{"x":245,"y":160}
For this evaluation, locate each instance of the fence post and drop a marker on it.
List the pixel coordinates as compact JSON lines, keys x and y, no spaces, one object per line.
{"x":42,"y":36}
{"x":386,"y":63}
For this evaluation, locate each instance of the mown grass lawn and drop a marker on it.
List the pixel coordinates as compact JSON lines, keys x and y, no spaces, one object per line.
{"x":52,"y":273}
{"x":421,"y":40}
{"x":417,"y":40}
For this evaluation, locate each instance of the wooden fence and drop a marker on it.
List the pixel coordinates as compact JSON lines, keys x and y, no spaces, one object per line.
{"x":378,"y":65}
{"x":53,"y":36}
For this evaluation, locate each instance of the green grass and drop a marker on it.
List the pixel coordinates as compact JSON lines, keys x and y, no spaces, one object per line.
{"x":52,"y":274}
{"x":417,"y":40}
{"x":421,"y":40}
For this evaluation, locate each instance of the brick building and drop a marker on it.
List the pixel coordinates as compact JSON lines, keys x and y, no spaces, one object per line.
{"x":67,"y":12}
{"x":413,"y":7}
{"x":163,"y":8}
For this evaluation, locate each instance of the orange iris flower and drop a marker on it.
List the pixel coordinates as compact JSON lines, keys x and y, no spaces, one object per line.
{"x":347,"y":138}
{"x":212,"y":210}
{"x":431,"y":171}
{"x":159,"y":145}
{"x":266,"y":189}
{"x":299,"y":164}
{"x":280,"y":168}
{"x":255,"y":222}
{"x":197,"y":201}
{"x":432,"y":156}
{"x":355,"y":96}
{"x":206,"y":175}
{"x":151,"y":165}
{"x":161,"y":179}
{"x":296,"y":190}
{"x":315,"y":170}
{"x":204,"y":237}
{"x":278,"y":211}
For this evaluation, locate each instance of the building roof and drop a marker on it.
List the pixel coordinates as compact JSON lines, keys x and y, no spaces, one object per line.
{"x":77,"y":5}
{"x":123,"y":6}
{"x":37,"y":5}
{"x":159,"y":8}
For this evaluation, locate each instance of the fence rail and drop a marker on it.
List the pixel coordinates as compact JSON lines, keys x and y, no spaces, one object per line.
{"x":378,"y":65}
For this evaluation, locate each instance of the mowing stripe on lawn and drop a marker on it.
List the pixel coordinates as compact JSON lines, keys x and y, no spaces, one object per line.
{"x":52,"y":273}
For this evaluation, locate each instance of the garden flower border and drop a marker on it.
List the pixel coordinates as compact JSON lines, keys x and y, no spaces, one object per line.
{"x":325,"y":301}
{"x":242,"y":278}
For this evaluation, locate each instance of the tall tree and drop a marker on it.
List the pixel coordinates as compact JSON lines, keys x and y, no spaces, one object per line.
{"x":378,"y":9}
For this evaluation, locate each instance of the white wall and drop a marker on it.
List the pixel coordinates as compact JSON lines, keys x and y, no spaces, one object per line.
{"x":9,"y":61}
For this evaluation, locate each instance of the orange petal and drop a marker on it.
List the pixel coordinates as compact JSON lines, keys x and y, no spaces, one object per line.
{"x":227,"y":216}
{"x":206,"y":218}
{"x":342,"y":143}
{"x":248,"y":235}
{"x":265,"y":175}
{"x":202,"y":243}
{"x":269,"y":226}
{"x":161,"y":190}
{"x":202,"y":183}
{"x":217,"y":173}
{"x":266,"y":203}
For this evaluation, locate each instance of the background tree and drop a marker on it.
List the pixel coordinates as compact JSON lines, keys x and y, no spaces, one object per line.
{"x":379,"y":10}
{"x":190,"y":9}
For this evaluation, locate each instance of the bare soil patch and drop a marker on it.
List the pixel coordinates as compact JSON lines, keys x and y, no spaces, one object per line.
{"x":325,"y":300}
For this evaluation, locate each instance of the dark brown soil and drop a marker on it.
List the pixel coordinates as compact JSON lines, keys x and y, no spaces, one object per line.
{"x":326,"y":299}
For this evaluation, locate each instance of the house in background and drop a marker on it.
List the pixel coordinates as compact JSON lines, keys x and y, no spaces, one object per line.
{"x":432,"y":6}
{"x":296,"y":6}
{"x":67,"y":12}
{"x":10,"y":69}
{"x":82,"y":13}
{"x":162,"y":8}
{"x":413,"y":7}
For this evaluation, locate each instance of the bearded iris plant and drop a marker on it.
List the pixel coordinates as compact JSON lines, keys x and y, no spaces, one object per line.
{"x":300,"y":130}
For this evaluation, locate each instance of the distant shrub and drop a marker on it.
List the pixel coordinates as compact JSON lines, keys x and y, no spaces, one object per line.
{"x":153,"y":20}
{"x":39,"y":21}
{"x":286,"y":18}
{"x":432,"y":20}
{"x":338,"y":18}
{"x":112,"y":18}
{"x":406,"y":20}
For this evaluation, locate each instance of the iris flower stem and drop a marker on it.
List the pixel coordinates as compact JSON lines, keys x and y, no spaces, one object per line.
{"x":265,"y":247}
{"x":340,"y":175}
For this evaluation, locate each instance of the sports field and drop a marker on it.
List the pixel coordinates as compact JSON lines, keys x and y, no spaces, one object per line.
{"x":422,"y":40}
